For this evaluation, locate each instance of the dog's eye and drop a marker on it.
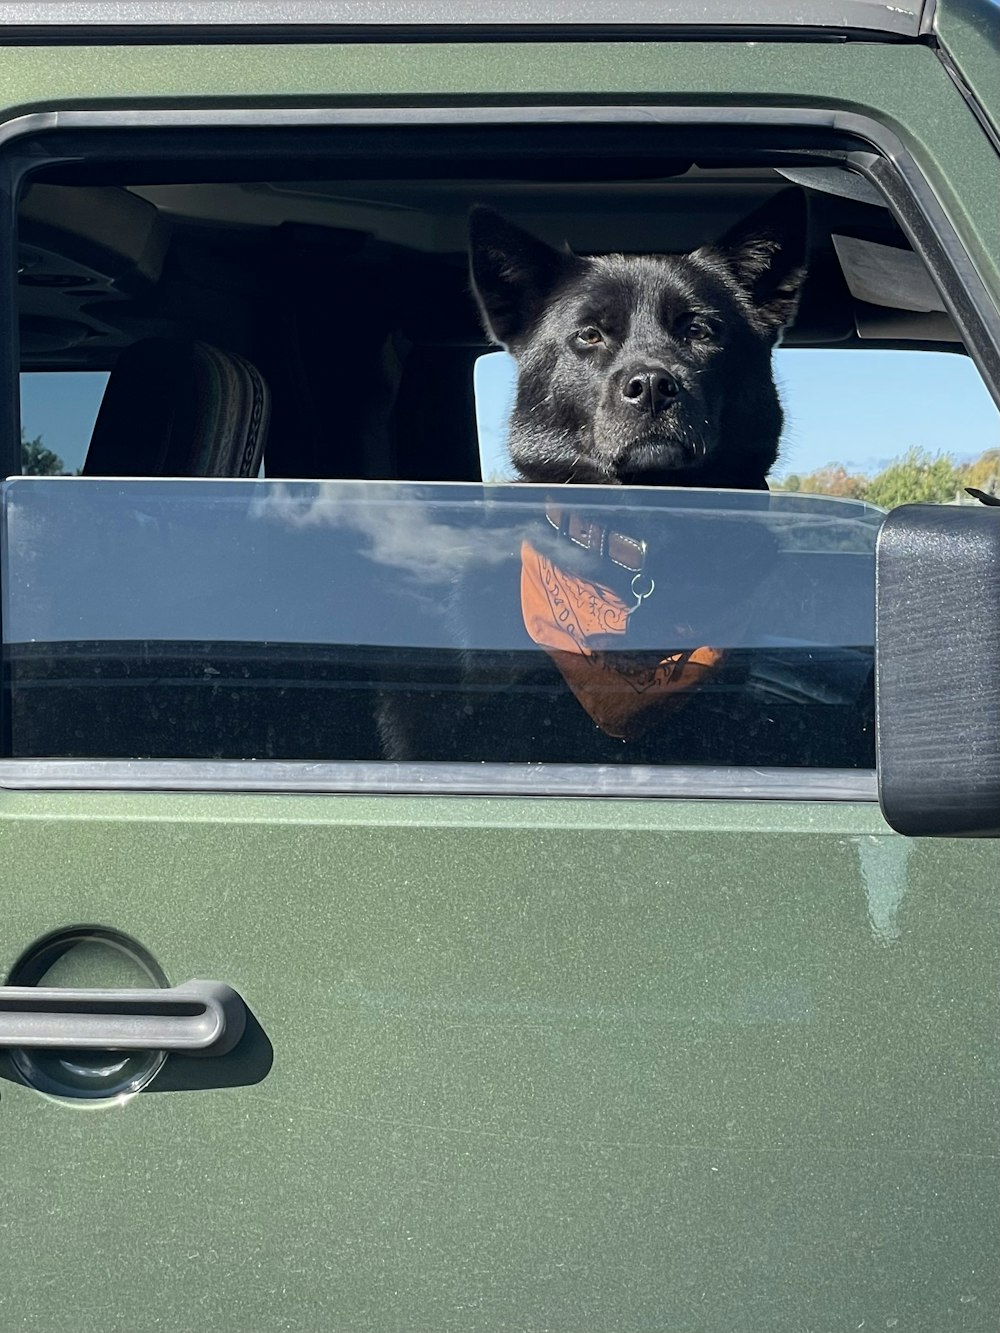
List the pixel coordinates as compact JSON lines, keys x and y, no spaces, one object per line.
{"x":590,"y":337}
{"x":695,"y":330}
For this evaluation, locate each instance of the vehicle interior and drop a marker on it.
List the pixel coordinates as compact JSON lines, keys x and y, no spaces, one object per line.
{"x":299,"y":301}
{"x":338,"y":267}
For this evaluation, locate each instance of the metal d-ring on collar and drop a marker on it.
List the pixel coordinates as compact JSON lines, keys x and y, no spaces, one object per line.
{"x":617,"y":548}
{"x":640,"y":596}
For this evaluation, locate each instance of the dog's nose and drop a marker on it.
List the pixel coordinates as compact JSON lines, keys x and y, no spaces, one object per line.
{"x":650,"y":389}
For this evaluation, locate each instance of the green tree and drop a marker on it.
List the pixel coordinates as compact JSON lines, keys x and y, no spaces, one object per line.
{"x":37,"y":461}
{"x":918,"y":477}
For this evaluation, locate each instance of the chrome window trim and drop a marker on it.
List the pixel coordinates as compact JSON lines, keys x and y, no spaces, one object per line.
{"x":378,"y":778}
{"x":902,"y":19}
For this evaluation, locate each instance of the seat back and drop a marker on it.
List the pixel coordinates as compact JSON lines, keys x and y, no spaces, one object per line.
{"x":180,"y":409}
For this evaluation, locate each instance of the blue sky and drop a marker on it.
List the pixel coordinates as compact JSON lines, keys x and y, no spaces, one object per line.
{"x":861,"y":408}
{"x":62,"y":409}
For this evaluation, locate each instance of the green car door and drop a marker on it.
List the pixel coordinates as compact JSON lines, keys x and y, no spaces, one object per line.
{"x":295,"y":1035}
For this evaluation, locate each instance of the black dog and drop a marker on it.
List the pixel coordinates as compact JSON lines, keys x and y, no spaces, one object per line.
{"x":632,"y":370}
{"x":648,"y":369}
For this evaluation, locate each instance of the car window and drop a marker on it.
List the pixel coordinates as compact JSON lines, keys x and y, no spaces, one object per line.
{"x":888,"y":426}
{"x":428,"y":623}
{"x":306,"y":314}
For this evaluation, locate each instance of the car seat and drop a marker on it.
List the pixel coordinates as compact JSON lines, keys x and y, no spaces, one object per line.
{"x":175,"y":408}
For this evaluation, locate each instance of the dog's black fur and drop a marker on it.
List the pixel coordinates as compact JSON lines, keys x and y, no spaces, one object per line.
{"x":644,"y":369}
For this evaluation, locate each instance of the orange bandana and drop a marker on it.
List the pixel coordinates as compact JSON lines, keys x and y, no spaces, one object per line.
{"x":577,"y":623}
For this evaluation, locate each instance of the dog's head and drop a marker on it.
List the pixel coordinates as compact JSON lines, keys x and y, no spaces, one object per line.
{"x":645,"y":369}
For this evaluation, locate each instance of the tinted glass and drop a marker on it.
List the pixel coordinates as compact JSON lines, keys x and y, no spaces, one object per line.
{"x":339,"y":620}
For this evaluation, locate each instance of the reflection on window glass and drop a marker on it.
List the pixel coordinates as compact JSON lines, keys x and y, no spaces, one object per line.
{"x":58,"y":411}
{"x":448,"y":622}
{"x":889,"y":427}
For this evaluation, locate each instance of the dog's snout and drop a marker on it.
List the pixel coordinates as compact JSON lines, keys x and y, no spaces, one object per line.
{"x":650,"y":389}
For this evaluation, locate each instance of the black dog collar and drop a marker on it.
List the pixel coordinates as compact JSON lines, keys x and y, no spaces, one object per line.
{"x":626,"y":552}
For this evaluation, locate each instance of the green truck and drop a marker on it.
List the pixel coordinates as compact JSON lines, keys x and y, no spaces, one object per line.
{"x":479,"y":1030}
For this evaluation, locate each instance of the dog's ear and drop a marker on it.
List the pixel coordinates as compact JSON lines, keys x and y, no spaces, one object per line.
{"x":513,"y":273}
{"x":766,"y":254}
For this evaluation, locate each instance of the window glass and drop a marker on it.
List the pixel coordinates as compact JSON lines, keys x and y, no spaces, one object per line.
{"x":888,"y":426}
{"x":437,"y":622}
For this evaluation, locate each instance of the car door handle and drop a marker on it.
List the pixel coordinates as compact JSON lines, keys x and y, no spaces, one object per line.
{"x":197,"y":1018}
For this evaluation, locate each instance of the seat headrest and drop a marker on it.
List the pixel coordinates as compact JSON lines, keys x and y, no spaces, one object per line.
{"x":180,"y":409}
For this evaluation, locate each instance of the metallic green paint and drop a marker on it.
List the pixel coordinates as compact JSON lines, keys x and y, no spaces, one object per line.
{"x":537,"y":1064}
{"x":969,"y":32}
{"x":903,"y":86}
